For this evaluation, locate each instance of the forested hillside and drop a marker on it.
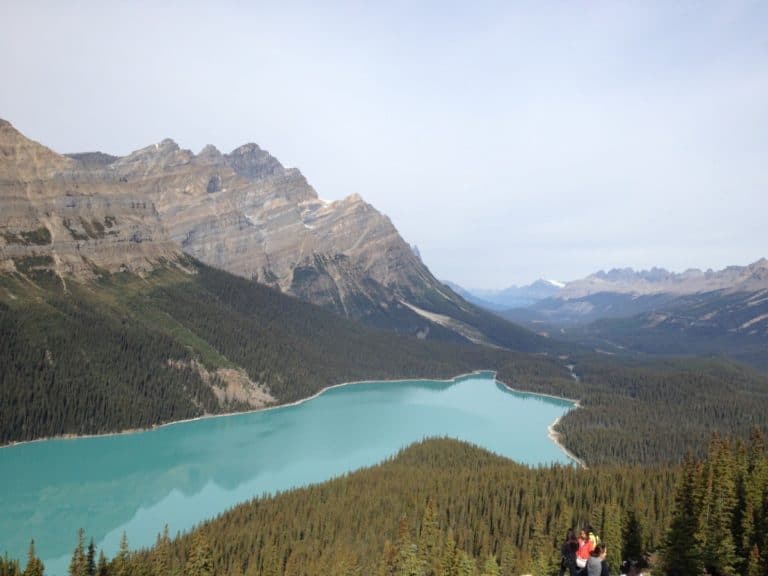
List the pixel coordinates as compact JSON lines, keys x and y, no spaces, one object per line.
{"x":715,"y":323}
{"x":126,"y":351}
{"x":720,"y":520}
{"x":440,"y":507}
{"x":651,"y":411}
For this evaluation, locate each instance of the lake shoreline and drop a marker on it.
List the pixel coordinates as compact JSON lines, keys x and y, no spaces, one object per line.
{"x":551,"y":433}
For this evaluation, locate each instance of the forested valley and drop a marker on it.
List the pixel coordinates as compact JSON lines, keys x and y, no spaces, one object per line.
{"x":68,"y":356}
{"x":68,"y":364}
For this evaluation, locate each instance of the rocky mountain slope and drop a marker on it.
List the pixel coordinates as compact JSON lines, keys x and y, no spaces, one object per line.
{"x":242,"y":212}
{"x":53,"y":210}
{"x":658,"y":312}
{"x":721,"y":322}
{"x":660,"y":281}
{"x":621,"y":293}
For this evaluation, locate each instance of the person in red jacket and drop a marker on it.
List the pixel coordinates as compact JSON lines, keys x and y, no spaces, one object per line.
{"x":586,"y":546}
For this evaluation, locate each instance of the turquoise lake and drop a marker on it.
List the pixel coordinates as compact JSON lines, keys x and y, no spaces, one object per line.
{"x":187,"y":472}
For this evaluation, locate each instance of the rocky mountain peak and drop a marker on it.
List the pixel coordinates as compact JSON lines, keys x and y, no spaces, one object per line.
{"x":210,"y":152}
{"x":24,"y":159}
{"x":242,"y":212}
{"x":167,"y":145}
{"x":250,"y":161}
{"x":662,"y":281}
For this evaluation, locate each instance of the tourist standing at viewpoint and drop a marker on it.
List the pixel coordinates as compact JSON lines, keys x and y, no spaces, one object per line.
{"x":596,"y":564}
{"x":584,"y":550}
{"x":569,"y":549}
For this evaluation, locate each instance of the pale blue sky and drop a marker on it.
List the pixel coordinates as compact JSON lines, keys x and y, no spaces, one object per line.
{"x":508,"y":140}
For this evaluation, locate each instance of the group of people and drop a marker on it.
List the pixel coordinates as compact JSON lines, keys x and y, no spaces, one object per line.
{"x":585,"y":555}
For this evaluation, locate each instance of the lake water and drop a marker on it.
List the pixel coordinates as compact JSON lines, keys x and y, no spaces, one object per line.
{"x":184,"y":473}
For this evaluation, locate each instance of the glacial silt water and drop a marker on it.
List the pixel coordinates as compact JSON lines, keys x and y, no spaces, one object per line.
{"x":187,"y":472}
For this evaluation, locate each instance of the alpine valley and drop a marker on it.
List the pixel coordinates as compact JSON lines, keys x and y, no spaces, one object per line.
{"x":165,"y":285}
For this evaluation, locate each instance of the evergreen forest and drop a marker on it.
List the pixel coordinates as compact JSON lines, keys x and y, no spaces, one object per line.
{"x":446,"y":508}
{"x":120,"y":352}
{"x":116,"y":354}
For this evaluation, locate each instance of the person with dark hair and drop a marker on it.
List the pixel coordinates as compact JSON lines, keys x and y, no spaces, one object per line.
{"x":596,"y":564}
{"x":569,"y":549}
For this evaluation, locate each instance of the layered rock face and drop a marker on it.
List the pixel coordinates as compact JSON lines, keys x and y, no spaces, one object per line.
{"x":660,"y":281}
{"x":242,"y":212}
{"x":55,"y":213}
{"x":245,"y":213}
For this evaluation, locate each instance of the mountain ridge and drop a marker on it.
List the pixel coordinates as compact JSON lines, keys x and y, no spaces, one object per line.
{"x":751,"y":277}
{"x":242,"y":212}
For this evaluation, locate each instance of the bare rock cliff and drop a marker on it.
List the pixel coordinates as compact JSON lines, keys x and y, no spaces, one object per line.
{"x":242,"y":212}
{"x":55,"y":213}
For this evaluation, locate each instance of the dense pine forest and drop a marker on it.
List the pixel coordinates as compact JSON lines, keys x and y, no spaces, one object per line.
{"x":117,"y":354}
{"x":446,"y":508}
{"x":440,"y":507}
{"x":657,"y":411}
{"x":720,"y":521}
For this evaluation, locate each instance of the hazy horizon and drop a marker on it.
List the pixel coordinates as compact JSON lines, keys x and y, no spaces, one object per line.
{"x":508,"y":142}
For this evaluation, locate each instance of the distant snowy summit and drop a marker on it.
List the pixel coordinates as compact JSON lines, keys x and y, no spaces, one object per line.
{"x":750,"y":278}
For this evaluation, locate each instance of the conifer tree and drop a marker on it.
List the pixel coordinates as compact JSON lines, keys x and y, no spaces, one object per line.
{"x":682,"y":554}
{"x":161,"y":554}
{"x":632,"y":538}
{"x":90,"y":559}
{"x":78,"y":565}
{"x":429,"y":540}
{"x":720,"y":550}
{"x":449,"y":556}
{"x":34,"y":564}
{"x":491,"y":567}
{"x":120,"y":563}
{"x":508,"y":560}
{"x":102,"y":568}
{"x":465,"y":566}
{"x":9,"y":567}
{"x":200,"y":561}
{"x":388,"y":559}
{"x":610,"y":527}
{"x":407,"y":561}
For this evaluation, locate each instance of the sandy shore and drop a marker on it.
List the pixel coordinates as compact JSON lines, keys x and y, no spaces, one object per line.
{"x":552,"y":434}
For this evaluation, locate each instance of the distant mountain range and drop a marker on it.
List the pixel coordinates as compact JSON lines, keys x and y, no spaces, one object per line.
{"x":623,"y":281}
{"x":512,"y":297}
{"x":241,"y":212}
{"x":660,"y":312}
{"x":660,"y":281}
